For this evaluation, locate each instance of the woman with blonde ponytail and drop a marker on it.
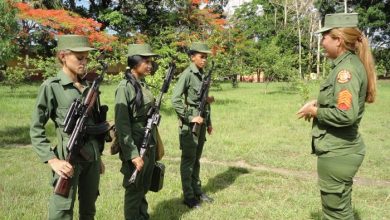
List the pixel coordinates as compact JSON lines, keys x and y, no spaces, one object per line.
{"x":338,"y":111}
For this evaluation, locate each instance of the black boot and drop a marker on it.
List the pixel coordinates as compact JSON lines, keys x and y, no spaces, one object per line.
{"x":205,"y":198}
{"x":192,"y":203}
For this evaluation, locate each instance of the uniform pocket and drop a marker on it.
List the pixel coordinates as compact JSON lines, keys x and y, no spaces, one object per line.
{"x":187,"y":139}
{"x":325,"y":96}
{"x":195,"y":86}
{"x":184,"y":130}
{"x":61,"y":113}
{"x":61,"y":203}
{"x":58,"y":202}
{"x":127,"y":170}
{"x":332,"y":195}
{"x":318,"y":134}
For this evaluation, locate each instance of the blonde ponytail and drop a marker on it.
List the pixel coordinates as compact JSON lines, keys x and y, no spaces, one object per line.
{"x":354,"y":40}
{"x":364,"y":52}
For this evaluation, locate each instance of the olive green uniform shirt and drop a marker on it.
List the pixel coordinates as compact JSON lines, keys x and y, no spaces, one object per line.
{"x":55,"y":96}
{"x":130,"y":122}
{"x":189,"y":84}
{"x":340,"y":109}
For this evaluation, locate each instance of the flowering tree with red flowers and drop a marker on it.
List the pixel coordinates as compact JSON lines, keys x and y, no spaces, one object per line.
{"x":39,"y":27}
{"x":36,"y":39}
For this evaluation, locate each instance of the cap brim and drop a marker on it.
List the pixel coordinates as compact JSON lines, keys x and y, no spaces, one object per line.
{"x":203,"y":51}
{"x":81,"y":49}
{"x":322,"y":30}
{"x":143,"y":54}
{"x":148,"y":54}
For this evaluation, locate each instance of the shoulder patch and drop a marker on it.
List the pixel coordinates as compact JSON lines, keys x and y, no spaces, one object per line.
{"x":344,"y":100}
{"x":344,"y":76}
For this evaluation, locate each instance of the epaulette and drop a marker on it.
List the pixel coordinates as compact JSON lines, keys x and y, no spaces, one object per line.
{"x":52,"y":79}
{"x":187,"y":71}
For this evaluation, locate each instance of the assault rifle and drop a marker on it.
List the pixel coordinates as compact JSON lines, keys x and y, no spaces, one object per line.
{"x":154,"y":117}
{"x":75,"y":125}
{"x":203,"y":94}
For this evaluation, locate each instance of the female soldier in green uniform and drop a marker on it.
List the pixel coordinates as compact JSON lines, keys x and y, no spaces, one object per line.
{"x":185,"y":100}
{"x":338,"y":111}
{"x":132,"y":102}
{"x":55,"y":96}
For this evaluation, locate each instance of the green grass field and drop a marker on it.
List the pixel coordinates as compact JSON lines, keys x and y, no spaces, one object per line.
{"x":257,"y":163}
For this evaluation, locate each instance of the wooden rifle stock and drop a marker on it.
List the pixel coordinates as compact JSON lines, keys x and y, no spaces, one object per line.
{"x":63,"y":185}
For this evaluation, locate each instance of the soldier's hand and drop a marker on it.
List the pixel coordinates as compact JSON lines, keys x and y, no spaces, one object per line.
{"x":210,"y":130}
{"x":138,"y":163}
{"x":61,"y":167}
{"x":198,"y":120}
{"x":308,"y":111}
{"x":210,"y":99}
{"x":102,"y":167}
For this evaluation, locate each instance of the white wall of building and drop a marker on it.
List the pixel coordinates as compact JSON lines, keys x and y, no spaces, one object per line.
{"x":232,"y":5}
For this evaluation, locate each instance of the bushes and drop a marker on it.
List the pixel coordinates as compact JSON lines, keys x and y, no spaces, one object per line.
{"x":14,"y":76}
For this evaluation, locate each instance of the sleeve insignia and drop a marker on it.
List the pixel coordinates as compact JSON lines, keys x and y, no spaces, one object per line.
{"x":344,"y":101}
{"x":344,"y":76}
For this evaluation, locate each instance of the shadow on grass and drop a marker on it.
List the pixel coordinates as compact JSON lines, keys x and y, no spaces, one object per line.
{"x":285,"y":92}
{"x":219,"y":101}
{"x":224,"y":180}
{"x":29,"y":94}
{"x":173,"y":209}
{"x":15,"y":135}
{"x":20,"y":135}
{"x":318,"y":215}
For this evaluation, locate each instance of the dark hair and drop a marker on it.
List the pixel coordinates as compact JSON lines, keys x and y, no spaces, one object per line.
{"x":132,"y":62}
{"x":135,"y":60}
{"x":192,"y":52}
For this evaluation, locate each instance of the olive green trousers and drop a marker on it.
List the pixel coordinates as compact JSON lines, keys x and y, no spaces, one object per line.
{"x":191,"y":150}
{"x":335,"y":181}
{"x":86,"y":181}
{"x":135,"y":204}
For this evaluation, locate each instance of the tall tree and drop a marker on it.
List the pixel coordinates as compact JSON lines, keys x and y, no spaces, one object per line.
{"x":39,"y":27}
{"x":8,"y":30}
{"x":374,"y":20}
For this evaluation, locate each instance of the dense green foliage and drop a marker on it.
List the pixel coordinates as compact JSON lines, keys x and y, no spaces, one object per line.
{"x":8,"y":30}
{"x":274,"y":38}
{"x":256,"y":164}
{"x":374,"y":20}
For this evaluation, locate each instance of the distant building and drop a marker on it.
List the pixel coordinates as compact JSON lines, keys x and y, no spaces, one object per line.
{"x":232,"y":5}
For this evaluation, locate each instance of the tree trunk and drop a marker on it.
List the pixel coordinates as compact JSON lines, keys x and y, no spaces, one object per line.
{"x":276,"y":12}
{"x":299,"y":40}
{"x":323,"y":66}
{"x":318,"y":50}
{"x":285,"y":12}
{"x":345,"y":6}
{"x":27,"y":60}
{"x":311,"y":39}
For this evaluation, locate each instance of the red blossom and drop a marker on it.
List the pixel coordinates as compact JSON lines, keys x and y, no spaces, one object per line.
{"x":58,"y":22}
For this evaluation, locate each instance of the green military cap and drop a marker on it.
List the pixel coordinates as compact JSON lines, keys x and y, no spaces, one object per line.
{"x":339,"y":20}
{"x":141,"y":50}
{"x":200,"y":47}
{"x":76,"y":43}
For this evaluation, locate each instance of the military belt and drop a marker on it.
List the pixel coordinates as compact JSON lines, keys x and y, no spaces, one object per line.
{"x":97,"y":129}
{"x":138,"y":119}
